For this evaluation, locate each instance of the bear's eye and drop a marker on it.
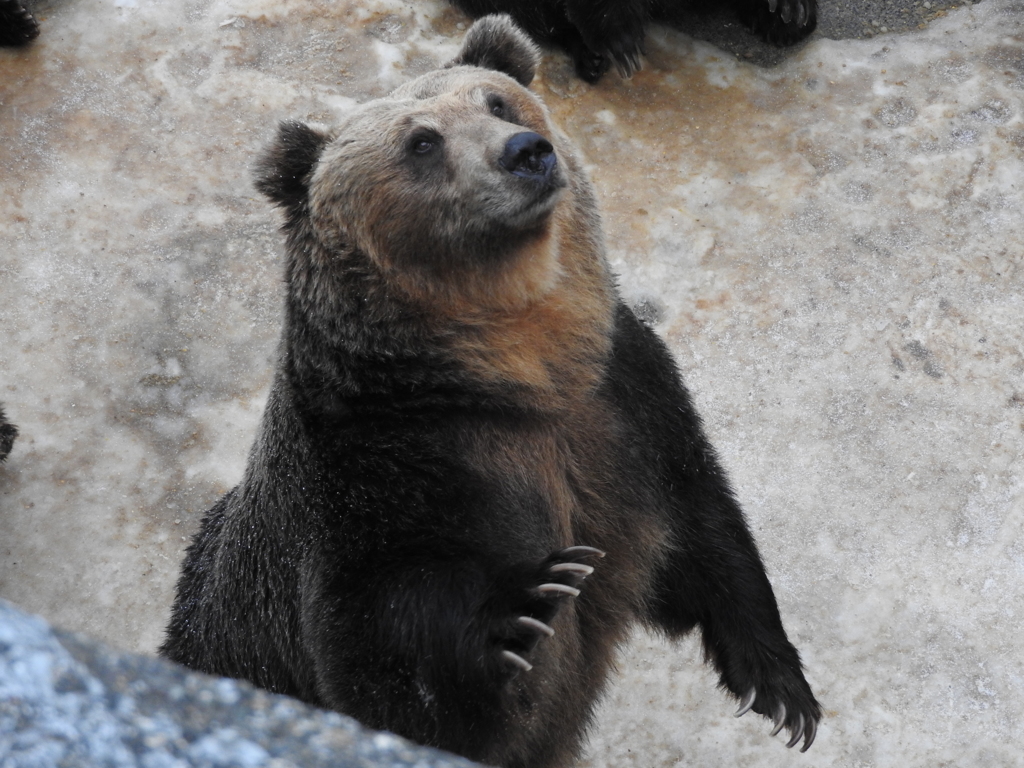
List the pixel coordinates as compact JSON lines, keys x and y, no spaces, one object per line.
{"x":424,"y":143}
{"x":497,"y":106}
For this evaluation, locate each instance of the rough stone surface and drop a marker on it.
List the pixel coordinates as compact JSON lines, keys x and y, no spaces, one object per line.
{"x":70,"y":702}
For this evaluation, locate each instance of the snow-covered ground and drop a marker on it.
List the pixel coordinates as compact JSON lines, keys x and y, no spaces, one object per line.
{"x":834,"y":248}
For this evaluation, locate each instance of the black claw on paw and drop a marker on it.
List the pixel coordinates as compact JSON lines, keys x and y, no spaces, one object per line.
{"x":558,"y":578}
{"x":781,"y":22}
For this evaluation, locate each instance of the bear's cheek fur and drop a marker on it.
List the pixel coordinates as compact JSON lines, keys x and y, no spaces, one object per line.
{"x":440,"y":234}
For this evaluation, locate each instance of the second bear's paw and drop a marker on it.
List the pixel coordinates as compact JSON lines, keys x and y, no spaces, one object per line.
{"x":614,"y":31}
{"x":625,"y":50}
{"x":17,"y":25}
{"x":558,"y":578}
{"x":782,"y":22}
{"x":589,"y":64}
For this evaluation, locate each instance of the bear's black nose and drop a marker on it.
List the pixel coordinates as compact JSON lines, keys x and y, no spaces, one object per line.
{"x":530,"y":156}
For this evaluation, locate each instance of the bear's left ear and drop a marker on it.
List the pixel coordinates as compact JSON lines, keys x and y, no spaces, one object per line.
{"x":495,"y":42}
{"x":283,"y":172}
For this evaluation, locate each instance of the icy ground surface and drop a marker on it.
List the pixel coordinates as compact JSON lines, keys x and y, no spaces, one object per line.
{"x":832,"y":247}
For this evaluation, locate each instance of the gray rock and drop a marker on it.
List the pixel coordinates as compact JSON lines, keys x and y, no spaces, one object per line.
{"x":66,"y":700}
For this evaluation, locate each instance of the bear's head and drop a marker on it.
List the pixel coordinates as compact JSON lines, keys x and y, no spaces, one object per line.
{"x":450,"y":187}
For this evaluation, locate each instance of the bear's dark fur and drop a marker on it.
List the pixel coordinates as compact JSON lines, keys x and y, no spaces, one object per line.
{"x":7,"y":434}
{"x":466,"y":423}
{"x":597,"y":33}
{"x":17,"y":26}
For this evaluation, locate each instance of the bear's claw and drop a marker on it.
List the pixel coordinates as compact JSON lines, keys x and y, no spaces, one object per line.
{"x":578,"y":568}
{"x":809,"y":733}
{"x":797,"y":733}
{"x":536,"y":626}
{"x":564,"y":589}
{"x":517,"y":660}
{"x":560,"y":577}
{"x":625,"y":52}
{"x":580,"y":551}
{"x":747,"y":703}
{"x":801,"y":724}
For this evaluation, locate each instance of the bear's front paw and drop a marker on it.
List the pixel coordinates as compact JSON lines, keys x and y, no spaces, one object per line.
{"x":782,"y":22}
{"x":789,"y":705}
{"x":558,"y":578}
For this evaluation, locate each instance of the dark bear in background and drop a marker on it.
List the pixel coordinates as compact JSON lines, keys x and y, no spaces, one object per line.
{"x":476,"y":468}
{"x":597,"y":33}
{"x":7,"y":434}
{"x":17,"y":26}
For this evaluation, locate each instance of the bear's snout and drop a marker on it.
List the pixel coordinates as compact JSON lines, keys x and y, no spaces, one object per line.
{"x":530,"y":156}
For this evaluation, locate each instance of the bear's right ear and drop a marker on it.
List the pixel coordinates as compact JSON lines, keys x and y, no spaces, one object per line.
{"x":283,"y":172}
{"x":495,"y":42}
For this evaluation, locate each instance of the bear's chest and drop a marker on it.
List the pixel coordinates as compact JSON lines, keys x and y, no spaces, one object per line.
{"x":571,"y":479}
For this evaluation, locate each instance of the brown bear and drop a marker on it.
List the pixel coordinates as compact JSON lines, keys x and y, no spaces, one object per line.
{"x":476,"y":469}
